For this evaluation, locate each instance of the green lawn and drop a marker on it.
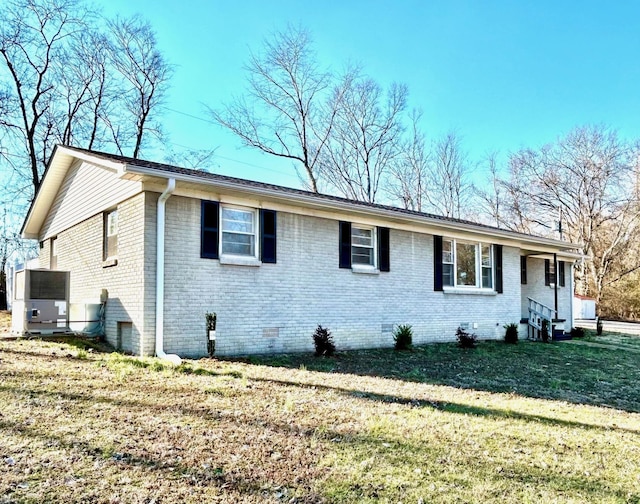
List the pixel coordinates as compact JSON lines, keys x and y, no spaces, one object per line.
{"x":511,"y":424}
{"x":612,"y":338}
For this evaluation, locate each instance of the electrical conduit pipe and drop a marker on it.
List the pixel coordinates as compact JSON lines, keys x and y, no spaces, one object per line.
{"x":173,"y":358}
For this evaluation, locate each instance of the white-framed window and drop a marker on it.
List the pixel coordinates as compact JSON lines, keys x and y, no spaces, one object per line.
{"x":110,"y":241}
{"x":239,"y":231}
{"x":363,"y":251}
{"x":448,"y":263}
{"x":486,"y":263}
{"x":467,"y":264}
{"x":53,"y":260}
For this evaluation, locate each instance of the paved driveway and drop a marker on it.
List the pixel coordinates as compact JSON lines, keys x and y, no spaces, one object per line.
{"x":620,"y":327}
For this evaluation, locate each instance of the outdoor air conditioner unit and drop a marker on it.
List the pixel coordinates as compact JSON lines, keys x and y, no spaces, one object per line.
{"x":40,"y":302}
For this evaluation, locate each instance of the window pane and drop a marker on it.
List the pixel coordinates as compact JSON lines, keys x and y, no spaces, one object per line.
{"x":112,"y":223}
{"x":486,"y":255}
{"x":487,"y":278}
{"x":447,"y":251}
{"x":238,"y":244}
{"x":447,"y":274}
{"x":362,"y":255}
{"x":361,"y":236}
{"x":466,"y":264}
{"x":237,"y":220}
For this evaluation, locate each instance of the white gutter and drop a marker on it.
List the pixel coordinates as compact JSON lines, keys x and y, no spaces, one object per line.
{"x":173,"y":358}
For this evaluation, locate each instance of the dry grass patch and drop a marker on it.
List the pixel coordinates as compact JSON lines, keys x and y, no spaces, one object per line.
{"x":83,"y":426}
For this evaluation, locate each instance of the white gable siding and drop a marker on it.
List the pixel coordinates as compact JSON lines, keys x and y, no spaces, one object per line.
{"x":276,"y":307}
{"x":86,"y":190}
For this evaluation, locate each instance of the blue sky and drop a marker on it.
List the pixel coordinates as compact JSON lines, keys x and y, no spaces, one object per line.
{"x":504,"y":74}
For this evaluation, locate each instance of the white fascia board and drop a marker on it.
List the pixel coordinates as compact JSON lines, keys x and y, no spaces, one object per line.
{"x":97,"y":160}
{"x":442,"y":226}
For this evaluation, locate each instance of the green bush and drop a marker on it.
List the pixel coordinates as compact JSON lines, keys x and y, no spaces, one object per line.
{"x":403,"y":337}
{"x":323,"y":342}
{"x":511,"y":333}
{"x":465,"y":339}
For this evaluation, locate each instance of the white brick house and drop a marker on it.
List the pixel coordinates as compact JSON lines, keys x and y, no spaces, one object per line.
{"x":170,"y":244}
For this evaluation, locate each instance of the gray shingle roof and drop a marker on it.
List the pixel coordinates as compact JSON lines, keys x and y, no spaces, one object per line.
{"x":262,"y":185}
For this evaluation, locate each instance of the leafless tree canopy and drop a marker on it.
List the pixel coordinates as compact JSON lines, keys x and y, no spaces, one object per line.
{"x":69,"y":76}
{"x":284,"y":111}
{"x":141,"y":66}
{"x":587,"y":180}
{"x":408,"y":175}
{"x":365,"y":139}
{"x":448,"y":184}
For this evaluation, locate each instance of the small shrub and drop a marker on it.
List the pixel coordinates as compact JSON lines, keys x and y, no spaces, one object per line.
{"x":403,"y":337}
{"x":511,"y":333}
{"x":323,"y":342}
{"x":465,"y":339}
{"x":544,"y":334}
{"x":577,"y":332}
{"x":599,"y":327}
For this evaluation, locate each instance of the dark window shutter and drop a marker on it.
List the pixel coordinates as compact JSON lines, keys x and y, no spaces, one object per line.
{"x":383,"y":249}
{"x":345,"y":244}
{"x":523,"y":270}
{"x":497,"y":258}
{"x":561,"y":273}
{"x":209,"y":225}
{"x":547,"y":272}
{"x":268,"y":236}
{"x":437,"y":263}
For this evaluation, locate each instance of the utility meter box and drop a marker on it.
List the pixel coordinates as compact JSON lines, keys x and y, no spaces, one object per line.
{"x":40,"y":302}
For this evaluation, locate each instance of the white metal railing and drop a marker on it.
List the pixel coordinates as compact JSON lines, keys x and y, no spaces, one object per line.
{"x":538,"y":314}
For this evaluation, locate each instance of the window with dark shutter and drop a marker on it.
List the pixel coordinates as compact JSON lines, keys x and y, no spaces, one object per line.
{"x":210,"y":221}
{"x":268,"y":236}
{"x":383,"y":249}
{"x":437,"y":263}
{"x":561,"y":280}
{"x":523,"y":270}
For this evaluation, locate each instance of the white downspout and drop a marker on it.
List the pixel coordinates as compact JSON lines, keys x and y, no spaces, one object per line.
{"x":171,"y":185}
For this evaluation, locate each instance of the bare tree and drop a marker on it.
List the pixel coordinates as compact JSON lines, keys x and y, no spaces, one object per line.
{"x":32,"y":37}
{"x":448,"y":185}
{"x":283,"y":111}
{"x":366,"y":137}
{"x":70,"y":77}
{"x":588,"y":180}
{"x":134,"y":54}
{"x":409,"y":173}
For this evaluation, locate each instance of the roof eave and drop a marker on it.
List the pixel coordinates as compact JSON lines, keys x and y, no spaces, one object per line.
{"x":312,"y":200}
